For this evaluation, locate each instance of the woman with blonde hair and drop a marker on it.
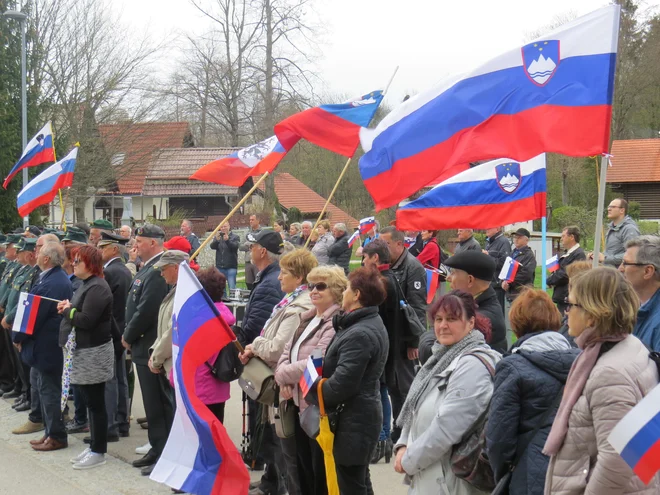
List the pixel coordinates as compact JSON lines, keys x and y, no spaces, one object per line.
{"x":324,"y":241}
{"x":609,"y":377}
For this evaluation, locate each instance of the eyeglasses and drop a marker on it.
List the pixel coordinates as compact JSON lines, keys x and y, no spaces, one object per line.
{"x":76,"y":261}
{"x":570,"y":306}
{"x":611,"y":207}
{"x":319,"y":286}
{"x":628,"y":263}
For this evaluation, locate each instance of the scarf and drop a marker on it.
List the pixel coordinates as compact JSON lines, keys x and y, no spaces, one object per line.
{"x":441,"y":358}
{"x":590,"y":343}
{"x":288,"y":299}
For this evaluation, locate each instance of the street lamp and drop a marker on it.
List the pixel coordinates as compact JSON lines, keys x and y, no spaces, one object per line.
{"x":22,"y":18}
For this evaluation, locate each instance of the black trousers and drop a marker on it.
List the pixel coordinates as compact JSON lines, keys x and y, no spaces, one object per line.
{"x":218,"y":410}
{"x":311,"y":466}
{"x":158,"y":398}
{"x":354,"y":480}
{"x":500,"y":297}
{"x":7,"y":370}
{"x":399,"y":380}
{"x":94,"y":398}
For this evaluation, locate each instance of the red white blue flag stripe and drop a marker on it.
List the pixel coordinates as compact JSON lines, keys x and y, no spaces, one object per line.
{"x":333,"y":127}
{"x":312,"y":371}
{"x":498,"y":192}
{"x":26,"y":313}
{"x":234,"y":169}
{"x":530,"y":100}
{"x":353,"y":238}
{"x":199,"y":456}
{"x":552,"y":264}
{"x":432,"y":281}
{"x":637,"y":437}
{"x":42,"y":189}
{"x":39,"y":150}
{"x":366,"y":224}
{"x":509,"y":269}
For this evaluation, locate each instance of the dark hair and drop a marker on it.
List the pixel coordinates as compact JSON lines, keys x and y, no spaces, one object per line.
{"x":213,"y":281}
{"x":533,"y":311}
{"x":623,"y":204}
{"x":282,"y":224}
{"x":91,"y":256}
{"x":371,"y":285}
{"x":379,"y":247}
{"x":434,"y":233}
{"x":458,"y":304}
{"x":69,"y":252}
{"x":574,"y":231}
{"x":397,"y":235}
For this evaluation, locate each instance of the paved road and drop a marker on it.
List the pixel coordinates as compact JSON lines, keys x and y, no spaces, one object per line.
{"x":26,"y":472}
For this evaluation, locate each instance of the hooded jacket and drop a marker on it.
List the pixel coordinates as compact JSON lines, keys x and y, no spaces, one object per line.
{"x":615,"y":242}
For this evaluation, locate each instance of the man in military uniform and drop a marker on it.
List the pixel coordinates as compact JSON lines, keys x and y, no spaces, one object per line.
{"x":74,"y":236}
{"x":145,"y":296}
{"x":3,"y":246}
{"x":10,"y":265}
{"x":95,"y":230}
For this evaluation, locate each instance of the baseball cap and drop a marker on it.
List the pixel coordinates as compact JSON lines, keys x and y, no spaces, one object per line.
{"x":268,"y":239}
{"x":173,"y":257}
{"x":522,"y":232}
{"x":179,"y":243}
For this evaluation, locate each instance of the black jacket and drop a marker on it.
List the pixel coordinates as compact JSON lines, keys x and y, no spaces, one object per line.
{"x":340,"y":253}
{"x":226,"y":251}
{"x":394,"y":320}
{"x":417,"y":247}
{"x":353,"y":364}
{"x":93,"y":315}
{"x":498,"y":247}
{"x":526,"y":272}
{"x":265,"y":295}
{"x":559,"y":279}
{"x":526,"y":384}
{"x":119,"y":280}
{"x":142,"y":304}
{"x":411,"y":276}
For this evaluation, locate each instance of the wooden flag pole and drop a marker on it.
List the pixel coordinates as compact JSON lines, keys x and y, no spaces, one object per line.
{"x":63,"y":208}
{"x":602,"y":234}
{"x":230,"y":214}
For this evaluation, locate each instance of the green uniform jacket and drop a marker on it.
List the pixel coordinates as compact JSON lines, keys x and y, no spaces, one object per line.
{"x":6,"y":280}
{"x":3,"y":264}
{"x":22,"y":283}
{"x":144,"y":298}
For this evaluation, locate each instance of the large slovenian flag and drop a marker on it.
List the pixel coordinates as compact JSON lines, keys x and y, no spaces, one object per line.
{"x":199,"y":456}
{"x":42,"y":189}
{"x":333,"y":127}
{"x":500,"y":192}
{"x":530,"y":100}
{"x":637,"y":437}
{"x":234,"y":170}
{"x":26,"y":313}
{"x":39,"y":150}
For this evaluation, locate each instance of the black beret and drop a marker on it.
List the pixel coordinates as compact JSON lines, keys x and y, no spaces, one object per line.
{"x":107,"y":238}
{"x":150,"y":230}
{"x":475,"y":263}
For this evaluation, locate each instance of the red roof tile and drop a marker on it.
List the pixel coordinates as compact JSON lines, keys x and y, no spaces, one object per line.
{"x":137,"y":142}
{"x":635,"y":160}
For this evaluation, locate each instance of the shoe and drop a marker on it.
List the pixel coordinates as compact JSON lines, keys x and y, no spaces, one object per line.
{"x":144,"y":449}
{"x":80,"y":456}
{"x":258,"y":491}
{"x":19,"y":399}
{"x":11,"y":394}
{"x":141,"y":420}
{"x":147,"y":460}
{"x":23,"y":406}
{"x":28,"y":427}
{"x":6,"y":388}
{"x":389,"y":447}
{"x":74,"y":427}
{"x":50,"y":445}
{"x":111,"y":438}
{"x":124,"y":434}
{"x":144,"y":426}
{"x":255,"y":484}
{"x":18,"y":402}
{"x":379,"y":452}
{"x":91,"y":460}
{"x":38,"y":441}
{"x":146,"y":471}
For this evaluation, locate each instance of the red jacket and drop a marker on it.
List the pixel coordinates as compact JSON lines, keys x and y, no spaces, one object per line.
{"x":430,"y":254}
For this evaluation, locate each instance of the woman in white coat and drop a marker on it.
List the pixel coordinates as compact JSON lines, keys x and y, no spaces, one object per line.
{"x":448,"y":395}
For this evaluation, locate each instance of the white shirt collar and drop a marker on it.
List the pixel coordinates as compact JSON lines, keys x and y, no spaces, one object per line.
{"x":572,"y":250}
{"x":113,"y":259}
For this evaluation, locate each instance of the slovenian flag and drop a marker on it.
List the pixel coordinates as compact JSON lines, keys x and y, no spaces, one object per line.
{"x":637,"y":437}
{"x":333,"y":127}
{"x":533,"y":99}
{"x":509,"y":269}
{"x":42,"y":189}
{"x":503,"y":191}
{"x":39,"y":150}
{"x":432,"y":281}
{"x":313,"y":370}
{"x":234,"y":170}
{"x":199,"y":456}
{"x":366,"y":224}
{"x":408,"y":241}
{"x":26,"y":313}
{"x":552,"y":264}
{"x":353,"y":238}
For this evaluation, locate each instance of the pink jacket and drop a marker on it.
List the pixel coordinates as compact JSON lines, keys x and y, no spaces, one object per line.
{"x":288,"y":373}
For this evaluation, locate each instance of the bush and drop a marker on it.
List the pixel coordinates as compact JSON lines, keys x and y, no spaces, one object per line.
{"x":634,"y":210}
{"x":648,"y":228}
{"x":574,"y":215}
{"x":294,"y":215}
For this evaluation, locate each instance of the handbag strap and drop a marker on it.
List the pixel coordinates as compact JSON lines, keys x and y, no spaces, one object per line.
{"x":320,"y":394}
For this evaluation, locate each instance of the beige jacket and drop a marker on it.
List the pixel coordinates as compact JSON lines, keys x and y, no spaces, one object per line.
{"x":279,"y":330}
{"x":161,"y":355}
{"x":586,"y":462}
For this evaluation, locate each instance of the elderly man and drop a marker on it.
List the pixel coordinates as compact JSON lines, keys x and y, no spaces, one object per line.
{"x":126,"y":232}
{"x":95,"y":230}
{"x":524,"y":255}
{"x":641,"y":267}
{"x":340,"y":252}
{"x":305,"y":232}
{"x":498,"y":247}
{"x":466,"y":241}
{"x":32,"y":232}
{"x":146,"y":295}
{"x":75,"y":237}
{"x":41,"y":350}
{"x":570,"y":240}
{"x":187,"y":232}
{"x":250,"y":269}
{"x":621,"y":229}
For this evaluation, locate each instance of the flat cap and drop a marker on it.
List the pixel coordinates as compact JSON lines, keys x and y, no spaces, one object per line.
{"x":108,"y":238}
{"x":74,"y":234}
{"x":27,"y":244}
{"x":150,"y":230}
{"x":173,"y":257}
{"x":522,"y":232}
{"x":101,"y":224}
{"x":477,"y":264}
{"x":268,"y":239}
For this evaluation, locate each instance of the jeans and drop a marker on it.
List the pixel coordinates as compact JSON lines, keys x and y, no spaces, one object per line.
{"x":98,"y":416}
{"x":116,"y":399}
{"x":387,"y":413}
{"x":289,"y":455}
{"x":50,"y":395}
{"x":36,"y":414}
{"x":230,"y":275}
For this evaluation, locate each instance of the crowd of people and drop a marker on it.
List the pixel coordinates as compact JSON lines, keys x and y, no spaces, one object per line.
{"x":543,"y":379}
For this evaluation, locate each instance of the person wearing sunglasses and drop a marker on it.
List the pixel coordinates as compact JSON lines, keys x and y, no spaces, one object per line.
{"x":326,"y":285}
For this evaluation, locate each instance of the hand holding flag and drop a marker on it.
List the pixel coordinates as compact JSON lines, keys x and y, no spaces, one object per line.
{"x":552,"y":264}
{"x":313,"y":370}
{"x":509,"y":270}
{"x":353,"y":238}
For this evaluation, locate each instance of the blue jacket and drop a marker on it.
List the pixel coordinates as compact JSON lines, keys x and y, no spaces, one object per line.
{"x":647,"y":328}
{"x":265,"y":295}
{"x":41,"y":350}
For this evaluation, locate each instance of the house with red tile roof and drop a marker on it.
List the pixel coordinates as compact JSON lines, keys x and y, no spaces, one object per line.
{"x":635,"y":174}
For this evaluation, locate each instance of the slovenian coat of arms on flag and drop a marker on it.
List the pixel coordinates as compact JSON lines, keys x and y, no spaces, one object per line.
{"x":366,"y":224}
{"x":312,"y":371}
{"x":26,"y":313}
{"x":509,"y":269}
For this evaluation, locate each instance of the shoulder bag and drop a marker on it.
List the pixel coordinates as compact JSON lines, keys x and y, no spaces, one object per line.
{"x":415,"y":327}
{"x":310,"y":419}
{"x":284,"y":418}
{"x":227,"y":366}
{"x":258,"y":381}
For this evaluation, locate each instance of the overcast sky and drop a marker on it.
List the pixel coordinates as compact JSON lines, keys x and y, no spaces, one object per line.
{"x":362,"y":41}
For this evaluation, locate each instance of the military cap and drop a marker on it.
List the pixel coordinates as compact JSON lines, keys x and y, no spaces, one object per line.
{"x":13,"y":239}
{"x":60,"y":234}
{"x":522,"y":232}
{"x":108,"y":238}
{"x":477,"y":264}
{"x":268,"y":239}
{"x":74,"y":234}
{"x":31,"y":229}
{"x":19,"y":230}
{"x":150,"y":230}
{"x":101,"y":224}
{"x":27,"y":244}
{"x":173,"y":257}
{"x":3,"y":239}
{"x":48,"y":230}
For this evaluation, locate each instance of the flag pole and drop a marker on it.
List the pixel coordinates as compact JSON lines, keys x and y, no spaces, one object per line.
{"x":343,"y":172}
{"x":230,"y":214}
{"x":544,"y":237}
{"x":602,"y":236}
{"x":63,"y":209}
{"x":600,"y":211}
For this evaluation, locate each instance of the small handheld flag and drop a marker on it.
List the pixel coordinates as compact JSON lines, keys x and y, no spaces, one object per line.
{"x":353,"y":238}
{"x":26,"y":313}
{"x":552,"y":264}
{"x":408,"y":241}
{"x":509,"y":269}
{"x":39,"y":150}
{"x":366,"y":224}
{"x":313,"y":370}
{"x":637,"y":437}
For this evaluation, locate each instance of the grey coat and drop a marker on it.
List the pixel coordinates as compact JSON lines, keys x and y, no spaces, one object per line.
{"x":320,"y":249}
{"x":470,"y":245}
{"x":617,"y":236}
